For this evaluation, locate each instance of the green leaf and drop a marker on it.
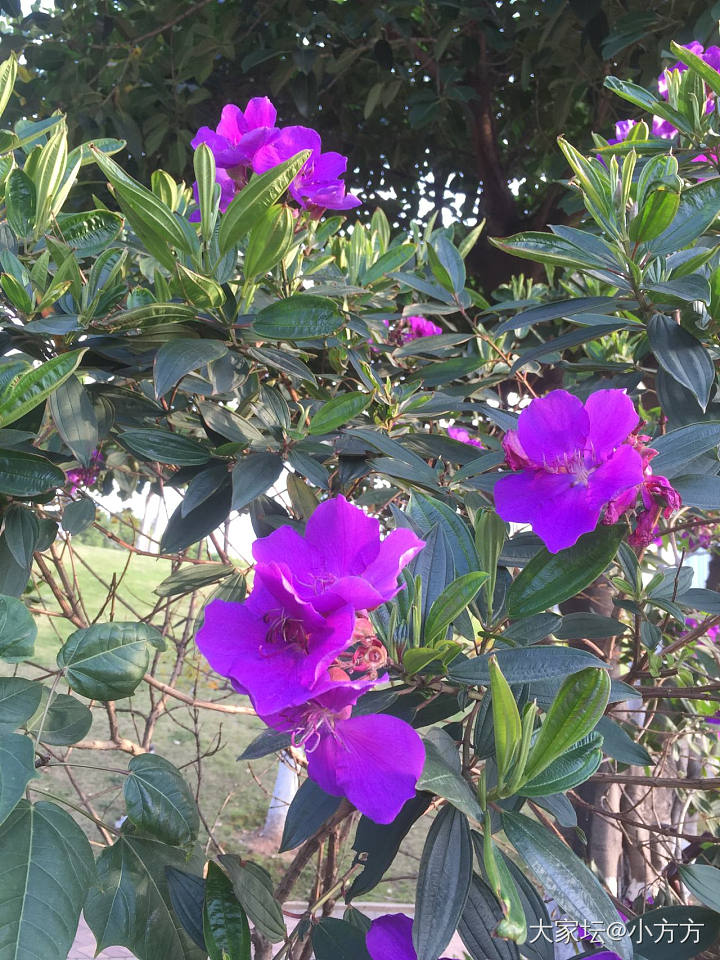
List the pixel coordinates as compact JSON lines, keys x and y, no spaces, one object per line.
{"x":269,"y":241}
{"x":697,"y":65}
{"x":159,"y":801}
{"x":699,"y":205}
{"x":34,"y":387}
{"x":683,"y":356}
{"x":619,"y":745}
{"x":563,"y":876}
{"x":17,"y":769}
{"x":90,"y":232}
{"x":20,"y":202}
{"x":703,"y":882}
{"x":335,"y":939}
{"x":443,"y":883}
{"x":176,"y":358}
{"x":451,"y":602}
{"x":163,"y":446}
{"x":204,"y":165}
{"x":451,"y":272}
{"x":8,"y":74}
{"x":133,"y":872}
{"x":18,"y":630}
{"x":142,"y":203}
{"x":387,"y":263}
{"x":339,"y":411}
{"x":655,"y":928}
{"x":253,"y":888}
{"x":149,"y":315}
{"x":309,"y":810}
{"x":64,"y":722}
{"x":654,"y":216}
{"x":75,"y":419}
{"x":189,"y":579}
{"x":506,"y":721}
{"x":302,"y":316}
{"x":549,"y":248}
{"x":225,"y":926}
{"x":478,"y":924}
{"x":21,"y":533}
{"x":107,"y":661}
{"x":550,"y":578}
{"x":27,"y":475}
{"x":185,"y":529}
{"x":202,"y":292}
{"x":47,"y":869}
{"x":587,"y":626}
{"x":570,"y":769}
{"x":78,"y":515}
{"x":48,"y":174}
{"x":19,"y":699}
{"x":187,"y":895}
{"x":250,"y":204}
{"x":441,"y":774}
{"x":678,"y":447}
{"x":252,"y":476}
{"x":575,"y":711}
{"x":524,"y":665}
{"x":699,"y":491}
{"x":16,"y":293}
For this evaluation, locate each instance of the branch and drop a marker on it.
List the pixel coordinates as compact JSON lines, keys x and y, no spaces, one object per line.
{"x":697,"y":783}
{"x":200,"y":704}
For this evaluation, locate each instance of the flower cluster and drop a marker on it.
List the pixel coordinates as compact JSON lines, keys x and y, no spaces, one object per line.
{"x":663,"y":128}
{"x":301,"y":647}
{"x":85,"y":476}
{"x":575,"y":461}
{"x":248,"y":141}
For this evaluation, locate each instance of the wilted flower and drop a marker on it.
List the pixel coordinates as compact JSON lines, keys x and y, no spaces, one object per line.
{"x":374,"y":760}
{"x":341,"y":553}
{"x":573,"y":459}
{"x":85,"y":476}
{"x":390,"y":938}
{"x":318,"y":184}
{"x":275,"y":646}
{"x":461,"y":434}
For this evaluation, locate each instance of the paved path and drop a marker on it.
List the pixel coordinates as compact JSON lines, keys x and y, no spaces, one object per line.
{"x":84,"y":946}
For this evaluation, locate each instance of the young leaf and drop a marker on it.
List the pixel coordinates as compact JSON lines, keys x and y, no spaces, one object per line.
{"x":451,"y":603}
{"x":506,"y":721}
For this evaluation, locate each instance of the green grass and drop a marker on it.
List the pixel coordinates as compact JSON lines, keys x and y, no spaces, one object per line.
{"x":233,"y":795}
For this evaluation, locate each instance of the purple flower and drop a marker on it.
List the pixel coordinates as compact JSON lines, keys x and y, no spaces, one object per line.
{"x":573,"y":459}
{"x":711,"y":56}
{"x":416,"y":327}
{"x":660,"y":128}
{"x":341,"y":553}
{"x":390,"y":938}
{"x":275,"y":646}
{"x":85,"y":476}
{"x":461,"y":434}
{"x":318,"y":185}
{"x":228,"y":188}
{"x":374,"y":760}
{"x":711,"y":633}
{"x":239,"y":135}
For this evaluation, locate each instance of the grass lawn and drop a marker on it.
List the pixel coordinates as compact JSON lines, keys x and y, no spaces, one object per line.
{"x":233,"y":796}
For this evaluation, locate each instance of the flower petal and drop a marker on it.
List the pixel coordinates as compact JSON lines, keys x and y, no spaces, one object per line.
{"x":620,"y":472}
{"x":260,"y":113}
{"x":612,"y":418}
{"x":375,"y":761}
{"x":390,"y":938}
{"x":232,"y":123}
{"x":554,"y":427}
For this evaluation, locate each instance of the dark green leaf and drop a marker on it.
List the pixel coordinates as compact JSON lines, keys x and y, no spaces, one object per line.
{"x":187,"y":896}
{"x":35,"y":386}
{"x":253,"y":888}
{"x":19,"y":699}
{"x":525,"y":665}
{"x":338,"y":940}
{"x":17,"y":630}
{"x":176,"y":358}
{"x":478,"y":923}
{"x":75,"y":419}
{"x":570,"y":769}
{"x":226,"y":929}
{"x":64,"y":722}
{"x":252,"y":476}
{"x":587,"y":626}
{"x":107,"y":661}
{"x":338,"y":412}
{"x":699,"y":205}
{"x":392,"y":260}
{"x":302,"y":316}
{"x":550,"y":578}
{"x":682,"y":356}
{"x":563,"y":876}
{"x":309,"y":810}
{"x":699,"y":491}
{"x":188,"y":579}
{"x":27,"y":475}
{"x":443,"y":883}
{"x":21,"y":533}
{"x":164,"y":446}
{"x":90,"y":232}
{"x":441,"y":774}
{"x":17,"y":769}
{"x":150,"y":928}
{"x":20,"y":202}
{"x":47,"y":869}
{"x":703,"y":882}
{"x":159,"y":801}
{"x":619,"y":745}
{"x":78,"y":515}
{"x":678,"y":447}
{"x":655,"y":928}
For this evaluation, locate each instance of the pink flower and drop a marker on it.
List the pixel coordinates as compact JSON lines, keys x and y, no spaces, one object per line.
{"x":416,"y":327}
{"x":461,"y":434}
{"x":85,"y":476}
